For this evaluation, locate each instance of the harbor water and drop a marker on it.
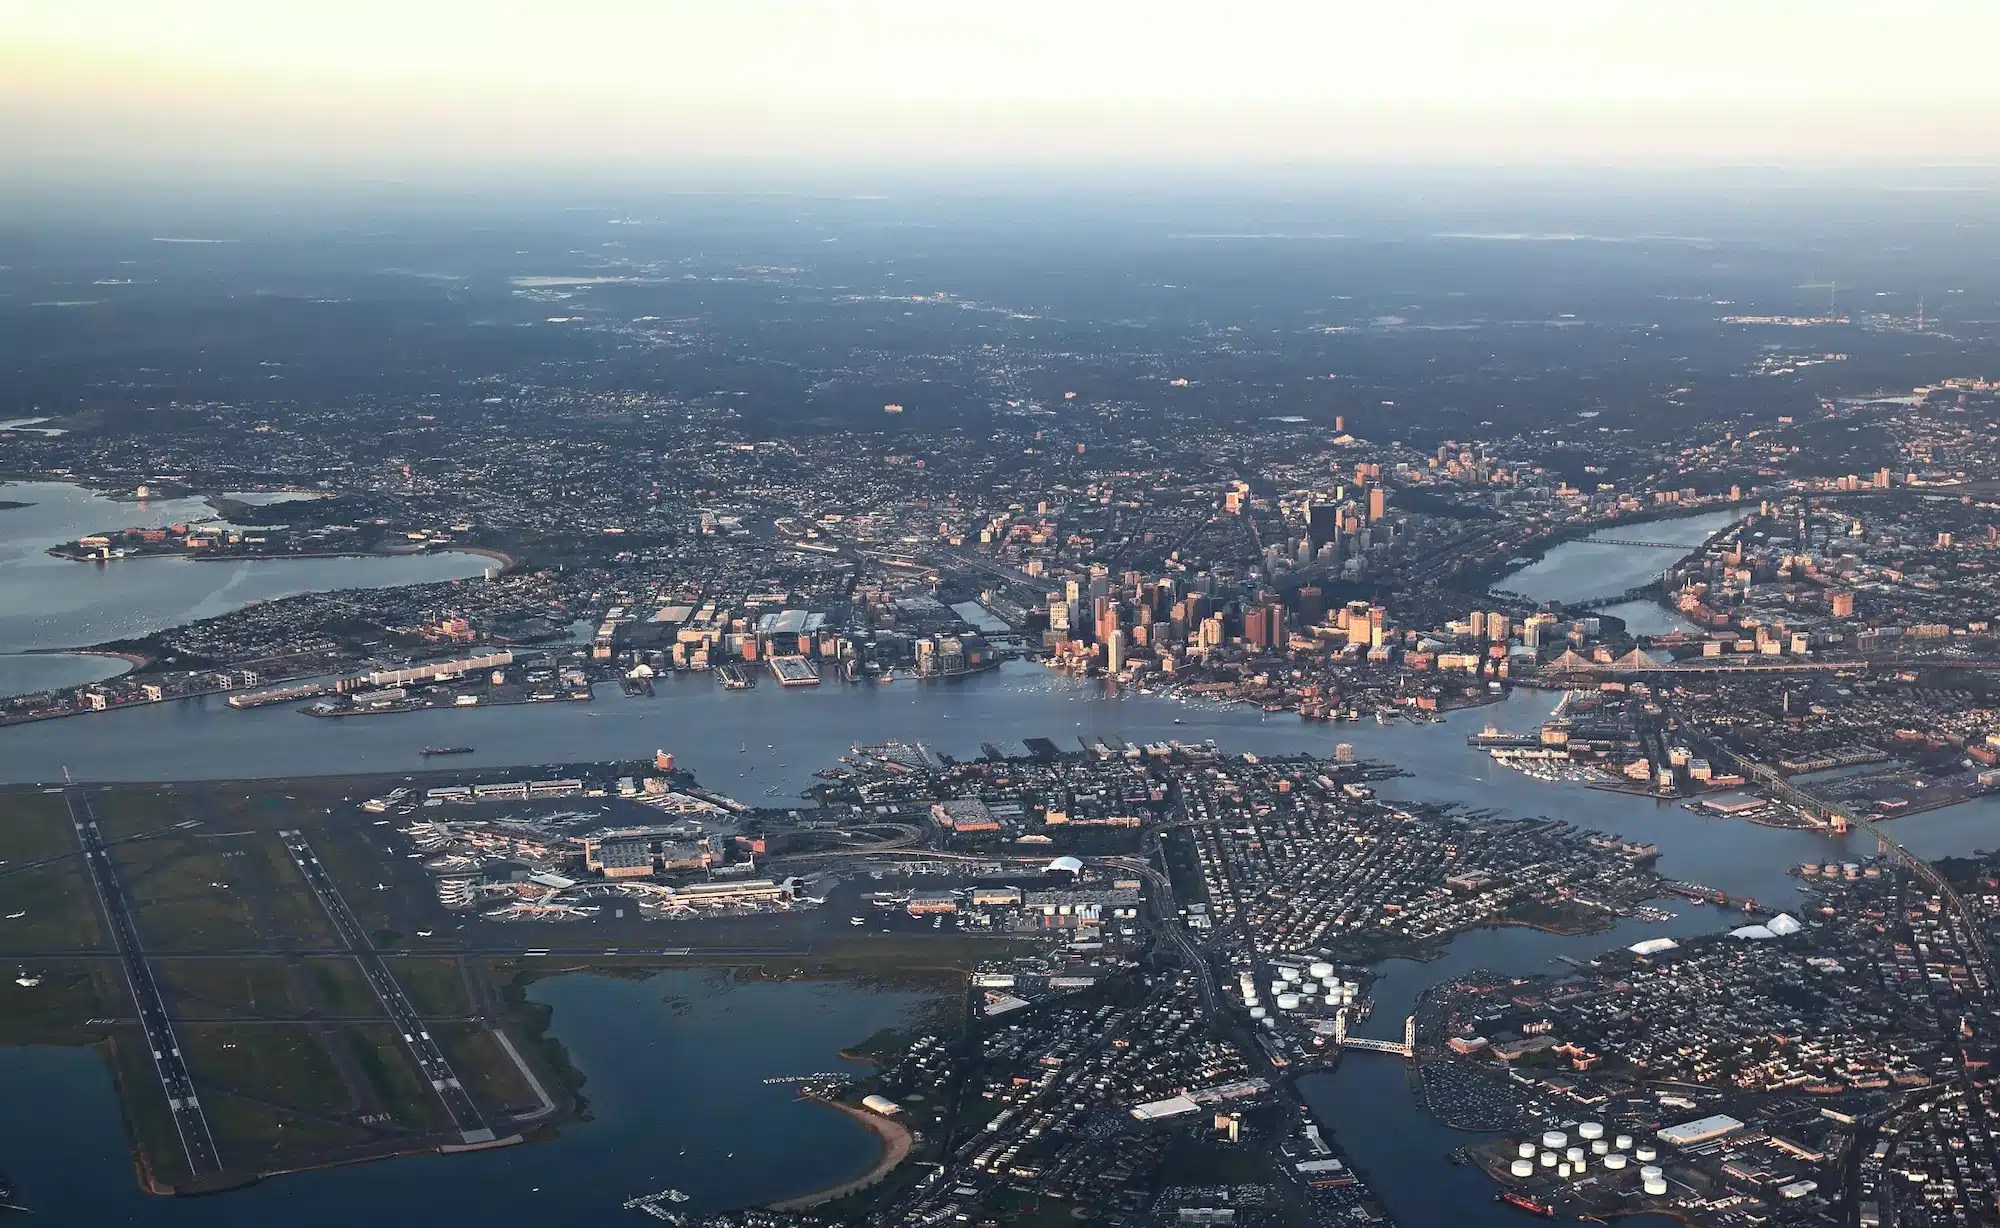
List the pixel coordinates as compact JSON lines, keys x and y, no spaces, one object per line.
{"x":49,"y":603}
{"x":676,"y":1068}
{"x":653,"y":1069}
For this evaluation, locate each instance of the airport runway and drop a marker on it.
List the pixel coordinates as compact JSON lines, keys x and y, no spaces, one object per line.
{"x":197,"y":1141}
{"x":430,"y":1058}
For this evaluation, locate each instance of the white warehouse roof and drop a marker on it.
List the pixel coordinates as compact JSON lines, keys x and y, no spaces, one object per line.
{"x":1173,"y":1106}
{"x":1689,"y":1133}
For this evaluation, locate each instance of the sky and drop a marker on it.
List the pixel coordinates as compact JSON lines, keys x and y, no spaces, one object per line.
{"x":250,"y":87}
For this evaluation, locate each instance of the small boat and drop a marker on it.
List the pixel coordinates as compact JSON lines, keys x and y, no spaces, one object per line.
{"x":446,"y":750}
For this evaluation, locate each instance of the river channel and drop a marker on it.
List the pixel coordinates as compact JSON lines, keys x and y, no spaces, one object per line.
{"x":762,"y":746}
{"x":49,"y":603}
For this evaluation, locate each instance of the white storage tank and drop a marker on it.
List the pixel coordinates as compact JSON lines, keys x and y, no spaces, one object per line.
{"x":1562,"y":1169}
{"x":1590,"y":1130}
{"x":1624,"y":1142}
{"x":1258,"y":1012}
{"x":1288,"y":1001}
{"x":1554,"y":1140}
{"x":1646,"y":1153}
{"x":1548,"y":1159}
{"x":1321,"y":970}
{"x":1656,"y":1186}
{"x":1614,"y":1161}
{"x":1526,"y":1151}
{"x":1650,"y":1171}
{"x":1288,"y":975}
{"x":1599,"y":1147}
{"x":1523,"y":1168}
{"x":1280,"y":986}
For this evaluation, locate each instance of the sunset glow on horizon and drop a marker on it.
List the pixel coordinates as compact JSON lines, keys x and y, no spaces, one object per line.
{"x":370,"y":86}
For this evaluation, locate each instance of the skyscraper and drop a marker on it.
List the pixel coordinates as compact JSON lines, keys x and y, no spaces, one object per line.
{"x":1322,"y":524}
{"x":1257,"y":627}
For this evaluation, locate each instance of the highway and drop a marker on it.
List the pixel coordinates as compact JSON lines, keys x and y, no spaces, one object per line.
{"x":1170,"y":924}
{"x":430,"y":1058}
{"x":197,"y":1141}
{"x":1963,"y":921}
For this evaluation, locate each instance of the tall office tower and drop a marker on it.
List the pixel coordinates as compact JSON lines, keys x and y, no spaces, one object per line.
{"x":1477,"y":619}
{"x":1114,"y":648}
{"x":1211,"y":631}
{"x":1310,"y":602}
{"x":1256,"y":627}
{"x":1322,"y":523}
{"x":1059,"y":620}
{"x":1378,"y":504}
{"x":1107,"y":619}
{"x":1357,"y":622}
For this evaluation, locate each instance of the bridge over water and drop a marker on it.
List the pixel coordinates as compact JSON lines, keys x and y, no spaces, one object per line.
{"x":1683,"y":547}
{"x":1405,"y":1048}
{"x":1841,"y":817}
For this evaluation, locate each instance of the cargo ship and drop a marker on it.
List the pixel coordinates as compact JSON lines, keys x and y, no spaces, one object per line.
{"x":1525,"y":1203}
{"x":446,"y":750}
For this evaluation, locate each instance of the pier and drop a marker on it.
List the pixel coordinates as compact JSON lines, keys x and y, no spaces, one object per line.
{"x":1709,"y":895}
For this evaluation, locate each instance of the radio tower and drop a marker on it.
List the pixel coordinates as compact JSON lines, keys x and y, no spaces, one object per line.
{"x":1920,"y":313}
